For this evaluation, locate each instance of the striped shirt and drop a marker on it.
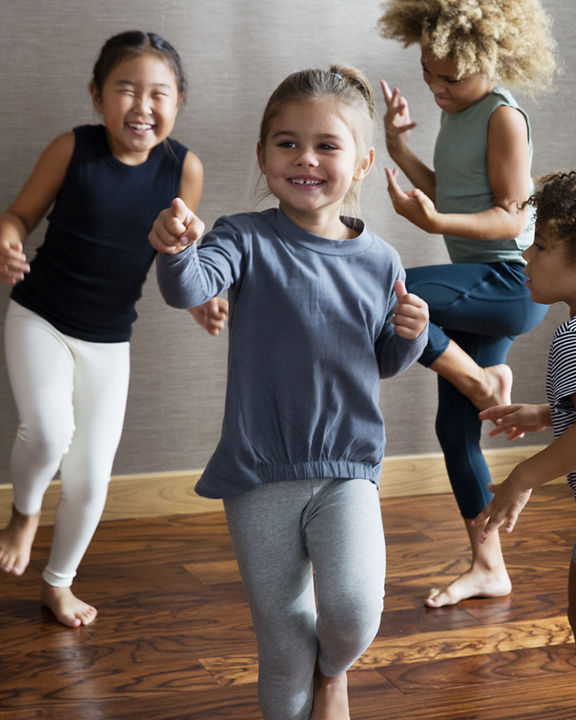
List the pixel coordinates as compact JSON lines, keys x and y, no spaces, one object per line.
{"x":561,"y":383}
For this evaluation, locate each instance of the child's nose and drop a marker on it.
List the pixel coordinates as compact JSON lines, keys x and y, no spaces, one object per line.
{"x":307,"y":157}
{"x":435,"y":85}
{"x":142,"y":103}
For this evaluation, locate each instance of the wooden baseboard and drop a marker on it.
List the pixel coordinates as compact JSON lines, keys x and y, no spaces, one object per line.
{"x":172,"y":493}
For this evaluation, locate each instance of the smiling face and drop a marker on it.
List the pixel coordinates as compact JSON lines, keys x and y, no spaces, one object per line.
{"x":551,"y":269}
{"x":138,"y":102}
{"x":453,"y":93}
{"x":310,"y":159}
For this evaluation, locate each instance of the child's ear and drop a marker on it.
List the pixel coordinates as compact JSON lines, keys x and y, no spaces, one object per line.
{"x":365,"y":164}
{"x":95,"y":95}
{"x":260,"y":156}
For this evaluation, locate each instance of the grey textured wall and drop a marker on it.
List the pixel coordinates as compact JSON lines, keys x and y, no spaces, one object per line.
{"x":235,"y":52}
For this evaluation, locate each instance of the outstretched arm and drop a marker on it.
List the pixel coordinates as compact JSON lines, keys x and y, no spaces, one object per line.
{"x":188,"y":275}
{"x":212,"y":316}
{"x":510,"y":497}
{"x":175,"y":228}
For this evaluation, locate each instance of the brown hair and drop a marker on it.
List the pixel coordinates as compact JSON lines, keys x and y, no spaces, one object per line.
{"x":342,"y":82}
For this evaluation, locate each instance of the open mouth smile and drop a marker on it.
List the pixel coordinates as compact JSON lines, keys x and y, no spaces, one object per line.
{"x":306,"y":182}
{"x":140,"y":127}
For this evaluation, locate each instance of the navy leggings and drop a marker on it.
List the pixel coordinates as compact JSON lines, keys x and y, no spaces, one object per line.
{"x":482,"y":307}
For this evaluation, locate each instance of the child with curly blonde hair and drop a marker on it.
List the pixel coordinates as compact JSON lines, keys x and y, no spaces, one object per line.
{"x":551,"y":269}
{"x":473,"y":197}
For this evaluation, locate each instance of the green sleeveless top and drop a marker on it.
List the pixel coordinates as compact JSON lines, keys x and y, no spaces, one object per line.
{"x":462,"y":184}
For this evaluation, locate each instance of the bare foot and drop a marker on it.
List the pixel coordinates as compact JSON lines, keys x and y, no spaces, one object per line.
{"x":330,"y":697}
{"x":473,"y":583}
{"x":484,"y":387}
{"x":497,"y":388}
{"x":66,"y":607}
{"x":16,"y":542}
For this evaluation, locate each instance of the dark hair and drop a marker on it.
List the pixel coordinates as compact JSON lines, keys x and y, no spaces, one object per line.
{"x":136,"y":42}
{"x":555,"y":203}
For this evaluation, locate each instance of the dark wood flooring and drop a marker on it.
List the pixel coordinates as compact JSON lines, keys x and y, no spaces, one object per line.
{"x":173,"y":639}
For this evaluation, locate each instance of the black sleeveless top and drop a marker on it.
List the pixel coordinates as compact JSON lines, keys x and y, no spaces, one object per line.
{"x":88,"y":273}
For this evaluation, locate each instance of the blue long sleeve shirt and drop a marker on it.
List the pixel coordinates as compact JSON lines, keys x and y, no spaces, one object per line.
{"x":310,"y":334}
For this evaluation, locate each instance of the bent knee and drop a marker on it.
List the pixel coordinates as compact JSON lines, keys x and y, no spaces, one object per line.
{"x":45,"y":439}
{"x":353,"y":614}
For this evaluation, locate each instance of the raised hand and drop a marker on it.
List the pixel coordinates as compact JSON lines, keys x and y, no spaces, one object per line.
{"x":175,"y":228}
{"x":397,"y":122}
{"x":413,"y":204}
{"x":410,"y":314}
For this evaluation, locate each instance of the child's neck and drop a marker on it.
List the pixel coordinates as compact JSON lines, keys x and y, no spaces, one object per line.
{"x":327,"y":225}
{"x":125,"y":156}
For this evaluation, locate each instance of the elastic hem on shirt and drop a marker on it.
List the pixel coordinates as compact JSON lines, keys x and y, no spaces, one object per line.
{"x":319,"y":469}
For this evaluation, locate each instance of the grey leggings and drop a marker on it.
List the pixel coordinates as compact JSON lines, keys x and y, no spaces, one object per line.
{"x":281,"y":531}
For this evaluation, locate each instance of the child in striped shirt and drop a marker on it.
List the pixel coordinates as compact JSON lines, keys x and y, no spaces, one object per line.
{"x":551,"y":273}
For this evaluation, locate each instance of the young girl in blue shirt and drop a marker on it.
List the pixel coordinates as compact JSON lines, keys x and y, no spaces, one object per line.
{"x":318,"y":313}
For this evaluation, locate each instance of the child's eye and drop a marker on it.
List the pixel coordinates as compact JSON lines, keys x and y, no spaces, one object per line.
{"x":327,"y":146}
{"x":287,"y":144}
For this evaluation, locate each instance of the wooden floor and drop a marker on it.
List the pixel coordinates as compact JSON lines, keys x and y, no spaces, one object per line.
{"x":173,"y":639}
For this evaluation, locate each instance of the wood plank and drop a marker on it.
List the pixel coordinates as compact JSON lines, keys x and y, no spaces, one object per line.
{"x":420,"y":647}
{"x":482,"y":669}
{"x":482,"y":640}
{"x":541,"y":698}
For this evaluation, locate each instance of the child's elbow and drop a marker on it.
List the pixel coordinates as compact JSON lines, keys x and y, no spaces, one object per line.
{"x":515,"y":220}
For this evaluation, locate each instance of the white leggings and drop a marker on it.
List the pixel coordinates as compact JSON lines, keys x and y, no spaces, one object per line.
{"x":71,"y":398}
{"x":280,"y":532}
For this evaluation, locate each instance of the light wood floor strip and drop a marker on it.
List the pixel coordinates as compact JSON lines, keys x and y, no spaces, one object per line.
{"x":172,"y":493}
{"x":465,"y":642}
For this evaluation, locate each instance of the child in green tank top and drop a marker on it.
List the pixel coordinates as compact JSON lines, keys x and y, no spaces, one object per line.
{"x":472,"y":196}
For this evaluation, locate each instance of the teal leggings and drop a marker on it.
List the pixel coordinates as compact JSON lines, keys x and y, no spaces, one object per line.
{"x":483,"y":308}
{"x":281,"y":532}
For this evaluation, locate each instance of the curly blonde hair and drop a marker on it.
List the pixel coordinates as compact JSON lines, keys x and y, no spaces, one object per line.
{"x":508,"y":40}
